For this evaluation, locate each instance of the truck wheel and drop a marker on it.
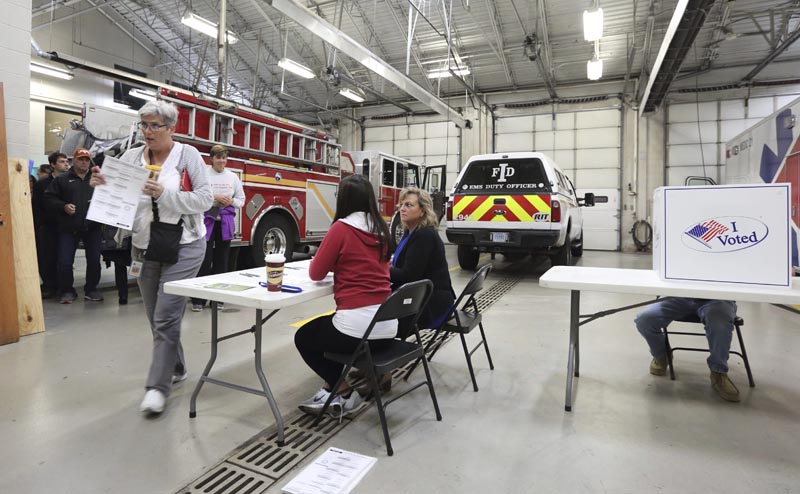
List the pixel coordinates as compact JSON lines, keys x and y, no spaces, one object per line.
{"x":274,"y":235}
{"x":396,"y":230}
{"x":467,"y":258}
{"x":563,"y":256}
{"x":577,"y":250}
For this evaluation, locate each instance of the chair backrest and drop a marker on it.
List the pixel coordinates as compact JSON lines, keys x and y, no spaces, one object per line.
{"x":474,"y":285}
{"x":408,"y":300}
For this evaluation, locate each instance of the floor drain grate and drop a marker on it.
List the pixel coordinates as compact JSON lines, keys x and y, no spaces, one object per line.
{"x":491,"y":295}
{"x":258,"y":464}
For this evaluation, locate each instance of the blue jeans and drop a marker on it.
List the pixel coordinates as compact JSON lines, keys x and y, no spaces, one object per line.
{"x":67,"y":245}
{"x":716,"y":315}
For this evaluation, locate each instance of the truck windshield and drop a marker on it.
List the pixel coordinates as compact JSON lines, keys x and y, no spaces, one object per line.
{"x":505,"y":176}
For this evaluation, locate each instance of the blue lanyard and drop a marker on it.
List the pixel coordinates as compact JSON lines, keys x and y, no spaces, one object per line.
{"x":284,"y":288}
{"x":400,"y":247}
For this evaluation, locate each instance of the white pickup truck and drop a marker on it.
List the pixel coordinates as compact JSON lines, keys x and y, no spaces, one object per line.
{"x":515,"y":203}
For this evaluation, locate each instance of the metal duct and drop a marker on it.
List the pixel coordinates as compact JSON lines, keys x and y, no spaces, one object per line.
{"x":347,"y":45}
{"x":689,"y":26}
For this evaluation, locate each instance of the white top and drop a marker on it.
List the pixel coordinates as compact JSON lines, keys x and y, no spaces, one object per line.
{"x":256,"y":297}
{"x":226,"y":184}
{"x":173,"y":203}
{"x":648,"y":282}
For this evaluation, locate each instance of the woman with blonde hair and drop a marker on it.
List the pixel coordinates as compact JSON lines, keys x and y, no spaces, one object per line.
{"x":420,"y":255}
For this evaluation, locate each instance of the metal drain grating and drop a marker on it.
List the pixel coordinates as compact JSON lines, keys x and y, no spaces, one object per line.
{"x":229,"y":479}
{"x":491,"y":295}
{"x":259,"y":463}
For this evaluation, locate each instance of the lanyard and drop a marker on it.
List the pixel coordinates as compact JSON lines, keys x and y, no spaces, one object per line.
{"x":284,"y":288}
{"x":400,"y":247}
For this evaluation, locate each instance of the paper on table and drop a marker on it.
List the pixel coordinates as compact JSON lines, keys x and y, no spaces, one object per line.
{"x":115,"y":202}
{"x":334,"y":472}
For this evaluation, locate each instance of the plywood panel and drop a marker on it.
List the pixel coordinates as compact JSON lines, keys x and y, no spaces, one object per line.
{"x":9,"y":326}
{"x":26,"y":271}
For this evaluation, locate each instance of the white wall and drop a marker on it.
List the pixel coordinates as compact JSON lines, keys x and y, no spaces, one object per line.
{"x":15,"y":28}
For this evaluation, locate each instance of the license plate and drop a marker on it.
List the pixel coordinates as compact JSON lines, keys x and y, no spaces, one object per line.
{"x":499,"y":236}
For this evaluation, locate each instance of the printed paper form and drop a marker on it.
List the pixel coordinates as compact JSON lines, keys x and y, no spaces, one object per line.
{"x":334,"y":472}
{"x":115,"y":202}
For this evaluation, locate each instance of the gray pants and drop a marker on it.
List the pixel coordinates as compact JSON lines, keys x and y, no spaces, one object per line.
{"x":165,"y":311}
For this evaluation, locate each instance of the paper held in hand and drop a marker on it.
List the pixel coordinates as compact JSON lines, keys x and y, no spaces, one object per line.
{"x":115,"y":202}
{"x":334,"y":472}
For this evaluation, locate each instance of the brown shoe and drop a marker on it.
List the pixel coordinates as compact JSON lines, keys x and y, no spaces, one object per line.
{"x":658,"y":366}
{"x":724,"y":387}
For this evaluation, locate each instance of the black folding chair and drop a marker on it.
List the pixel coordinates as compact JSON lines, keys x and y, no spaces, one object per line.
{"x":406,"y":301}
{"x":738,"y":322}
{"x":462,"y":319}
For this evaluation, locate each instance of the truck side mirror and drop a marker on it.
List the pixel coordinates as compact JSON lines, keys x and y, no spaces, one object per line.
{"x":588,"y":199}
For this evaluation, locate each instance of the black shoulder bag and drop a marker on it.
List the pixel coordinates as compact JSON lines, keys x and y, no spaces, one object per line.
{"x":165,"y":238}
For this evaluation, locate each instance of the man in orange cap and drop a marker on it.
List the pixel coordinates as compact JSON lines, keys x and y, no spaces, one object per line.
{"x":68,"y":196}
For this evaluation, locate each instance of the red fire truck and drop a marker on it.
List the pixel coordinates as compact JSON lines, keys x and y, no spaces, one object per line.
{"x":290,"y":173}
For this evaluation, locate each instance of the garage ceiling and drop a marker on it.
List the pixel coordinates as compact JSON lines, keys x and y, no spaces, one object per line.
{"x":507,"y":45}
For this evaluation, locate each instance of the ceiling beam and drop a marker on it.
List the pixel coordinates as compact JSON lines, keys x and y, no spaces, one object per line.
{"x":344,"y":43}
{"x":773,"y":55}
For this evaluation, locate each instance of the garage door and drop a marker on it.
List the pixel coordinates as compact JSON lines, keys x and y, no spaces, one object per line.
{"x":430,"y":143}
{"x":586,"y":145}
{"x":697,"y":133}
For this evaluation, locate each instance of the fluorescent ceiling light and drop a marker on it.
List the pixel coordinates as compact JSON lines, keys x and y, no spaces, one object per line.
{"x":438,"y":74}
{"x":142,"y":94}
{"x":52,"y":71}
{"x":594,"y":69}
{"x":593,"y":25}
{"x":295,"y":68}
{"x":206,"y":27}
{"x":350,"y":94}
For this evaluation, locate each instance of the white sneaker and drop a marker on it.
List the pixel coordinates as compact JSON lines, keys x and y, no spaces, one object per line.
{"x":176,"y":378}
{"x":153,"y":402}
{"x":197,"y":308}
{"x":347,"y":406}
{"x":313,"y":405}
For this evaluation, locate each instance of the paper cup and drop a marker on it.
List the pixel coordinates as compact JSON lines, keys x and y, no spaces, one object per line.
{"x":275,"y":264}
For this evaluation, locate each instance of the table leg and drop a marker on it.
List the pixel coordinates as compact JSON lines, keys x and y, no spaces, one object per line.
{"x":267,"y":392}
{"x":573,"y":362}
{"x":209,"y":365}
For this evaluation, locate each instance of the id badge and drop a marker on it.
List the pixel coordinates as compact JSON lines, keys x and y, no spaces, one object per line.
{"x":136,"y":269}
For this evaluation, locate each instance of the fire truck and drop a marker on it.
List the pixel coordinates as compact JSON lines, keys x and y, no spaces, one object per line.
{"x":290,"y":173}
{"x":390,"y":174}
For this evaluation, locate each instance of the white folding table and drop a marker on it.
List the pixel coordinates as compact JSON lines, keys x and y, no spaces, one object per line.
{"x":258,"y":298}
{"x":644,"y":282}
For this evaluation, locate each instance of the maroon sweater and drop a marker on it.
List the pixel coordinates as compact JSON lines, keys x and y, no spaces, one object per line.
{"x":360,"y":277}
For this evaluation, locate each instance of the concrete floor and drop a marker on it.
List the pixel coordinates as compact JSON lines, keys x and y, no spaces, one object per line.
{"x":69,"y":421}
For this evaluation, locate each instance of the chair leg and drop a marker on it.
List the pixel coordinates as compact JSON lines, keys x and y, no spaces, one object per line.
{"x":436,"y":347}
{"x":744,"y":357}
{"x":431,"y":390}
{"x":469,"y":362}
{"x":486,"y":347}
{"x":376,"y":392}
{"x":669,"y":355}
{"x":428,"y":346}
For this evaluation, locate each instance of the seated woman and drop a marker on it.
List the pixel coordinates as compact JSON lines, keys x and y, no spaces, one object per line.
{"x":356,"y":251}
{"x":420,"y":256}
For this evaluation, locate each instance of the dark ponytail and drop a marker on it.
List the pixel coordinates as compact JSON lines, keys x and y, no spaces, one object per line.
{"x":356,"y":195}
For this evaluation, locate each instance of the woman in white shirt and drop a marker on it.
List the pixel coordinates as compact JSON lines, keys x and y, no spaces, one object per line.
{"x":168,"y":194}
{"x":219,"y":220}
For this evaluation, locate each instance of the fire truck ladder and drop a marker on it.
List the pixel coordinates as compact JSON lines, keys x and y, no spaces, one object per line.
{"x":212,"y":126}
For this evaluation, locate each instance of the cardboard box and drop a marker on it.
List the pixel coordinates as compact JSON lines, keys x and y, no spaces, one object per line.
{"x":725,"y":233}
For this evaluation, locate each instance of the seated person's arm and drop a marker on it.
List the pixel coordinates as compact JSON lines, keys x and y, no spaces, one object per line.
{"x":416,"y":259}
{"x":327,"y":254}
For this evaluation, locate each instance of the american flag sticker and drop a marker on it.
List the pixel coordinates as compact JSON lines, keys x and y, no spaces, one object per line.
{"x":706,"y":231}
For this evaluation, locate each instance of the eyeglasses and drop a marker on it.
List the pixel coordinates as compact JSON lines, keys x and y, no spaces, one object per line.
{"x":151,"y":126}
{"x":407,"y":205}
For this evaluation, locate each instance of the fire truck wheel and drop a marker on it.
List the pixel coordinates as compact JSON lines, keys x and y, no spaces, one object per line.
{"x":395,"y":232}
{"x":274,"y":235}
